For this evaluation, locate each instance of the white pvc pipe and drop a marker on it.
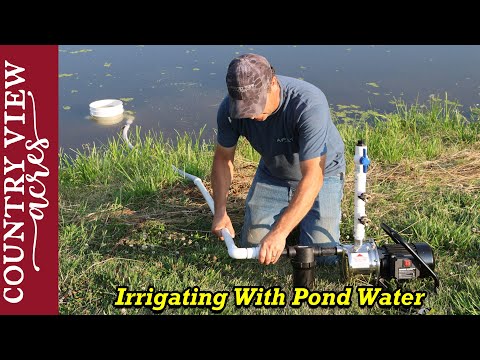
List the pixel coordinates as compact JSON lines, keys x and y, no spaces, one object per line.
{"x":125,"y":132}
{"x":360,"y":188}
{"x":233,"y":251}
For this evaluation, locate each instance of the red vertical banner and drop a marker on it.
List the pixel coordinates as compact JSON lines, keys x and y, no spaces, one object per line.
{"x":29,"y":249}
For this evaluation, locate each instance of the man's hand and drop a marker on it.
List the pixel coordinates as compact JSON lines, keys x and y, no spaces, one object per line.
{"x":220,"y":222}
{"x":272,"y":246}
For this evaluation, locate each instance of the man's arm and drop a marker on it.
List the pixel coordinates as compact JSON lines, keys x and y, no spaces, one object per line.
{"x":302,"y":201}
{"x":221,"y":178}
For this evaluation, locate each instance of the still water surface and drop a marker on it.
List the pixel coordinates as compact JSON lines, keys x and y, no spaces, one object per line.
{"x":177,"y":88}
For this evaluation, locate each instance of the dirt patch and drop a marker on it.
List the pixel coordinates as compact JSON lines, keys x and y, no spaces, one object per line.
{"x":460,"y":170}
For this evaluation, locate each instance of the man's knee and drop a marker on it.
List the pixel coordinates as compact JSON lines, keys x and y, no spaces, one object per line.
{"x":323,"y":233}
{"x":326,"y":235}
{"x":253,"y":235}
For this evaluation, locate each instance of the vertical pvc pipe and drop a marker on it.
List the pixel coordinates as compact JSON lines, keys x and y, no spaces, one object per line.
{"x":361,"y":164}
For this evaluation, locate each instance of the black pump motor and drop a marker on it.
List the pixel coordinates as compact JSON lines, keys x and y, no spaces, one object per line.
{"x":405,"y":261}
{"x":397,"y":263}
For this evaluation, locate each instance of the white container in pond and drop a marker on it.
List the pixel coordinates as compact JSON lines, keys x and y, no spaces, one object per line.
{"x":107,"y":120}
{"x":106,"y":108}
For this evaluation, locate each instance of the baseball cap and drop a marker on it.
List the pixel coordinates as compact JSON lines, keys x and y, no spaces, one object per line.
{"x":248,"y":78}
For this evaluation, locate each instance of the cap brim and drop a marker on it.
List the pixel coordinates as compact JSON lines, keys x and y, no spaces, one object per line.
{"x":245,"y":108}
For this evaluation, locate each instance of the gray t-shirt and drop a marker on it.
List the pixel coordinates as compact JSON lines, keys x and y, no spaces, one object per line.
{"x":300,"y":129}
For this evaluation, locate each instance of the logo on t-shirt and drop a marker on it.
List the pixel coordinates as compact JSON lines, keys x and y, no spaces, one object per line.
{"x":285,"y":140}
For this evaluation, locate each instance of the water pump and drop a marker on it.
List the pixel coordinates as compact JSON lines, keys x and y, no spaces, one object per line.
{"x":400,"y":261}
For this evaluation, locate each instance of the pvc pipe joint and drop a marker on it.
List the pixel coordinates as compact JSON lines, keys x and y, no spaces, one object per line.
{"x":233,"y":251}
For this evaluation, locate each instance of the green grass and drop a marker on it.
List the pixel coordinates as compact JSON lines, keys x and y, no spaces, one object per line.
{"x":127,"y":219}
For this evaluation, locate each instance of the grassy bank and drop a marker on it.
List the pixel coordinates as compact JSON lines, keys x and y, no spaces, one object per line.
{"x":126,"y":219}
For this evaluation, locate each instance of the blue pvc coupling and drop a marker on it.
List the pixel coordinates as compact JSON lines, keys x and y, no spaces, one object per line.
{"x":365,"y":161}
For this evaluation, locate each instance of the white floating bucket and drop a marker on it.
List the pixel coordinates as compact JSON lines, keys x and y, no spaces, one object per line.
{"x":106,"y":108}
{"x":107,"y":120}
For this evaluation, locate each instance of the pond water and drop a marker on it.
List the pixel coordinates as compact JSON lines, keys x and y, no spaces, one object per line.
{"x":177,"y":88}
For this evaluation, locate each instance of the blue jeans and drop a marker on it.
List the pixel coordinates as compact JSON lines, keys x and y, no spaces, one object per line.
{"x":266,"y":201}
